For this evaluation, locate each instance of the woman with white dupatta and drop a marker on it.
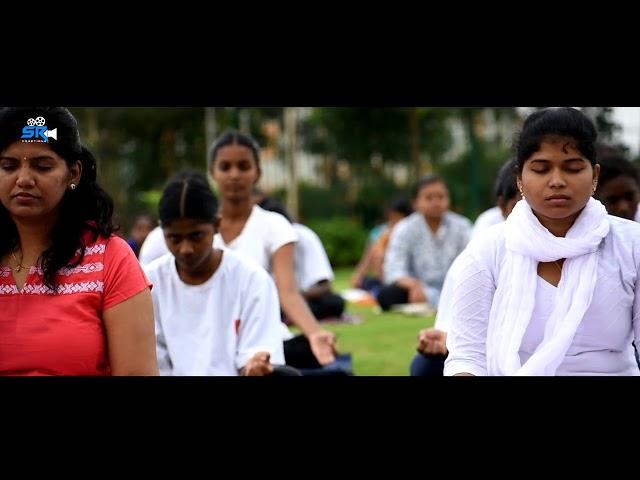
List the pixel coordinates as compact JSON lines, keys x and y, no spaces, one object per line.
{"x":555,"y":289}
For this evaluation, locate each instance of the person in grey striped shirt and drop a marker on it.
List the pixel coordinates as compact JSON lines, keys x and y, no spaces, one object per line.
{"x":423,"y":246}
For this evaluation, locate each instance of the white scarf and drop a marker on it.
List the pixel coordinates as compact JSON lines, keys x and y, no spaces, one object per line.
{"x":528,"y":243}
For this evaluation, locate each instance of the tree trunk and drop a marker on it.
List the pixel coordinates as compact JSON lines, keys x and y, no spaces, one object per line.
{"x":414,"y":142}
{"x":474,"y":161}
{"x":290,"y":124}
{"x":210,"y":128}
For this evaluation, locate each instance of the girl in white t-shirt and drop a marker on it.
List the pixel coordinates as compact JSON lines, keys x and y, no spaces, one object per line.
{"x":268,"y":239}
{"x":215,"y":313}
{"x":554,"y":290}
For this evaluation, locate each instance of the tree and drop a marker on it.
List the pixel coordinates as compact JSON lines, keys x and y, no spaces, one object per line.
{"x":140,"y":148}
{"x":405,"y":135}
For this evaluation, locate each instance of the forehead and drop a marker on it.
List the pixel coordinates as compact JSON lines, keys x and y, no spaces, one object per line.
{"x":436,"y":187}
{"x":21,"y":150}
{"x":234,"y":152}
{"x":185,"y":226}
{"x":557,"y":149}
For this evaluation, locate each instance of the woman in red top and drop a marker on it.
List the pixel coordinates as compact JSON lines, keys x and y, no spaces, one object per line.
{"x":73,"y":299}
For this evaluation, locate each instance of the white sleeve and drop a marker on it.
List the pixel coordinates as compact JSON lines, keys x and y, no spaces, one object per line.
{"x":636,"y":318}
{"x":260,"y":329}
{"x":153,"y":247}
{"x":487,"y":219}
{"x":471,"y":298}
{"x":314,"y":265}
{"x":280,"y":233}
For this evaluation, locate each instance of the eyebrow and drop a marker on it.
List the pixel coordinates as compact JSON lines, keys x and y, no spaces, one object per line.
{"x":186,"y":234}
{"x":246,"y":159}
{"x":39,"y":157}
{"x":544,"y":160}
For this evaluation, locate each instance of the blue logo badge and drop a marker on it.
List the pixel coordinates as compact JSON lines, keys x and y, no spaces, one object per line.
{"x":37,"y":131}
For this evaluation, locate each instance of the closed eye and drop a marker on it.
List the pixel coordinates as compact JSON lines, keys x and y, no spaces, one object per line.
{"x":8,"y":164}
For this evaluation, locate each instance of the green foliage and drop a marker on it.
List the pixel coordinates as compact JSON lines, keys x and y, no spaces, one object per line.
{"x":365,"y":202}
{"x":356,"y":134}
{"x":318,"y":203}
{"x":460,"y":178}
{"x":344,"y":240}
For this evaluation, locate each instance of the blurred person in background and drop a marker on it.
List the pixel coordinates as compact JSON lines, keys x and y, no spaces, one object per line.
{"x":368,"y":274}
{"x":422,"y":247}
{"x":142,"y":226}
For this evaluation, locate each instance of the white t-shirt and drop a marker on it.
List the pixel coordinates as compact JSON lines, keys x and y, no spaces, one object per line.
{"x":311,"y":261}
{"x":602,"y":344}
{"x":263,"y":234}
{"x":153,"y":247}
{"x":213,"y":329}
{"x":490,"y":217}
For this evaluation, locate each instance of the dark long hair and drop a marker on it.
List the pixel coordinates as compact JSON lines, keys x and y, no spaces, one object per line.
{"x":88,"y":208}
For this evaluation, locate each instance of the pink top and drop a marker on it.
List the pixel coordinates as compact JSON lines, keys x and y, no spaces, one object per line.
{"x":42,"y":333}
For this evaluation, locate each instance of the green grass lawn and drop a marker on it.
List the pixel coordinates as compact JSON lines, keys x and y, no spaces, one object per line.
{"x":384,"y":344}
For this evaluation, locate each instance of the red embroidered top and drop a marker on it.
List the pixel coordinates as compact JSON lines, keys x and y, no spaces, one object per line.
{"x":42,"y":333}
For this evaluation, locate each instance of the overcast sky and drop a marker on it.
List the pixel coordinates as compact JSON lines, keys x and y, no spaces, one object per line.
{"x":629,"y":119}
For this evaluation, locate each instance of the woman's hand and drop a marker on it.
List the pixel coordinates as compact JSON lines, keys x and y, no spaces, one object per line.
{"x":258,"y":365}
{"x":322,"y":344}
{"x":432,"y":342}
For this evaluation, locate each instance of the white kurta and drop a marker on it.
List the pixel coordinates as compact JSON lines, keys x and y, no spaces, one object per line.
{"x":603,"y":342}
